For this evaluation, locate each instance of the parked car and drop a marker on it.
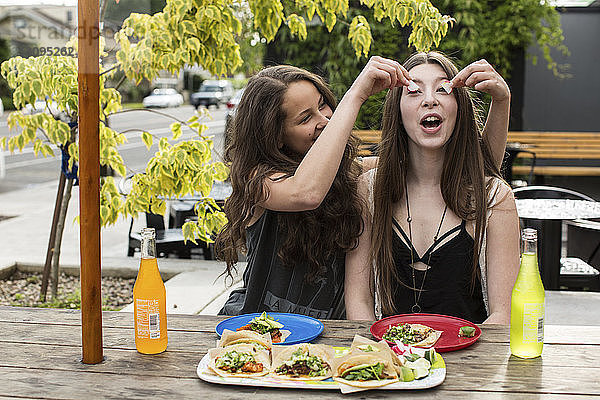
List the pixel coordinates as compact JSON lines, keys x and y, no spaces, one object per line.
{"x":230,"y":113}
{"x":46,"y":106}
{"x":163,"y":97}
{"x":212,"y":93}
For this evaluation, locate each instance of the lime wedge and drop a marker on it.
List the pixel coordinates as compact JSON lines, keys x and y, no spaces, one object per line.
{"x":430,"y":355}
{"x":407,"y":375}
{"x":421,"y":372}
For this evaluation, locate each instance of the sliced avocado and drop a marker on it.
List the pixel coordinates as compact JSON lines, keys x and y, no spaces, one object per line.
{"x":359,"y":367}
{"x":268,"y":321}
{"x":367,"y":348}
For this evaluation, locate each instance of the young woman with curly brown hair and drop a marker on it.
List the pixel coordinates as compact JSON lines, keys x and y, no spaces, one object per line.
{"x":294,"y":207}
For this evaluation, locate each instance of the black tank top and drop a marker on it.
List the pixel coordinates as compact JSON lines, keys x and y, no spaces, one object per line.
{"x":447,"y":287}
{"x":271,"y":286}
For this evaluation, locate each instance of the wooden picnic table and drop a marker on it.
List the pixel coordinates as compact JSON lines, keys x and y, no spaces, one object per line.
{"x":41,"y":351}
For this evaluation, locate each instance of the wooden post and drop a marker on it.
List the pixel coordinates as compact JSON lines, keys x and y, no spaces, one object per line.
{"x":89,"y":180}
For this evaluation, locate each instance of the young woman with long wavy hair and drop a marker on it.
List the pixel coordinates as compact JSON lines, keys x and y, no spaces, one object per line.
{"x":294,"y":207}
{"x":441,"y":230}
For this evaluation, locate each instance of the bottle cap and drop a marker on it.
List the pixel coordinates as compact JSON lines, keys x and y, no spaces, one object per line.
{"x":529,"y":234}
{"x":148,"y":233}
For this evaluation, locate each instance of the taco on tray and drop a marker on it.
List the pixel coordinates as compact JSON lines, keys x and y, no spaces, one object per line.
{"x":229,"y":338}
{"x":362,"y":345}
{"x":367,"y":370}
{"x":304,"y":361}
{"x":239,"y":360}
{"x":266,"y":324}
{"x":416,"y":335}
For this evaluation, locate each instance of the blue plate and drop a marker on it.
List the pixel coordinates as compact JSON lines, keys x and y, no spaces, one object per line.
{"x":303,"y":328}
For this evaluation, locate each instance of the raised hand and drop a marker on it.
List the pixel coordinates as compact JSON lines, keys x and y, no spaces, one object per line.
{"x":379,"y":74}
{"x":481,"y":76}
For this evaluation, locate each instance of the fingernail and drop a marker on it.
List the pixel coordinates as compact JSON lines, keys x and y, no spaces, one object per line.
{"x":412,"y":86}
{"x":447,"y":86}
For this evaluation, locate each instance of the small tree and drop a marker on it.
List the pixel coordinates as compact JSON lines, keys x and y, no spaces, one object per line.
{"x":201,"y":32}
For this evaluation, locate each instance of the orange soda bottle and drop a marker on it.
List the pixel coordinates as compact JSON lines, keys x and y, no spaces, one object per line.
{"x":149,"y":300}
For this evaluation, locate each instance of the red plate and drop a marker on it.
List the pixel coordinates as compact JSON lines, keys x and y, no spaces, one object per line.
{"x":449,"y":341}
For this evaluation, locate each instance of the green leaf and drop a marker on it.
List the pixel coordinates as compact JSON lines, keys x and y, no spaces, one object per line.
{"x":176,"y":129}
{"x":147,"y":139}
{"x":330,"y":21}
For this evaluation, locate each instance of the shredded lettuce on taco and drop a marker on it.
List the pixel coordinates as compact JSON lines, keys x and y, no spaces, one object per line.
{"x":367,"y":370}
{"x":303,"y":361}
{"x":239,"y":360}
{"x":416,"y":335}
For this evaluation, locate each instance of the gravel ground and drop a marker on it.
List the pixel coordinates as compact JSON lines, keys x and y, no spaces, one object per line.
{"x":23,"y":289}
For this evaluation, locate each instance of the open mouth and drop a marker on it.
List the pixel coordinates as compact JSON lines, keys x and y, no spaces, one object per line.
{"x":431,"y":122}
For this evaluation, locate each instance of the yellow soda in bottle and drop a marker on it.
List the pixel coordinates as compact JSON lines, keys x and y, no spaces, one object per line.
{"x":527,"y":303}
{"x":149,"y":300}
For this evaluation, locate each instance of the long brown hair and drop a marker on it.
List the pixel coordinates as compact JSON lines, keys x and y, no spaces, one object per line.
{"x":253,"y":155}
{"x":467,"y":161}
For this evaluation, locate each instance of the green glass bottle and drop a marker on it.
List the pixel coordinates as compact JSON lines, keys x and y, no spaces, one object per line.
{"x":527,"y":303}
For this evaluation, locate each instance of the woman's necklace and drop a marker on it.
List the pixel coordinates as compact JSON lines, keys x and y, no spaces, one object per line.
{"x":416,"y":308}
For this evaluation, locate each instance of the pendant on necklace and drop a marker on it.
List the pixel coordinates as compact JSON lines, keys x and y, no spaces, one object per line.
{"x":416,"y":308}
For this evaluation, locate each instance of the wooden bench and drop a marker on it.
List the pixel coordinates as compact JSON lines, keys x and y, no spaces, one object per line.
{"x":368,"y":142}
{"x":557,"y":153}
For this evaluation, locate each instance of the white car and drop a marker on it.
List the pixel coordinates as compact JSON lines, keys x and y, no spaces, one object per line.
{"x":49,"y":107}
{"x":163,"y":98}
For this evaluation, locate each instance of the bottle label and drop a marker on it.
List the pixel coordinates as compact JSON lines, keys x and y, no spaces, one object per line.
{"x":147,"y":324}
{"x":533,"y":323}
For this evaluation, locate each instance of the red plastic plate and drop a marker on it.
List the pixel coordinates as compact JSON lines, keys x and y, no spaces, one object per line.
{"x":449,"y":341}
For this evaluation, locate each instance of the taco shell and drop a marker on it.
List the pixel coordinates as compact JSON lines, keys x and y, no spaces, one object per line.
{"x":354,"y":360}
{"x":362,"y":345}
{"x":281,"y":354}
{"x":233,"y":337}
{"x":261,"y":356}
{"x":430,"y":340}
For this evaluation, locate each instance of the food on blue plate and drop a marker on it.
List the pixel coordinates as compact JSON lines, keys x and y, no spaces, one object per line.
{"x":267,"y":324}
{"x":239,"y":360}
{"x":416,"y":335}
{"x":229,"y":338}
{"x":304,"y":361}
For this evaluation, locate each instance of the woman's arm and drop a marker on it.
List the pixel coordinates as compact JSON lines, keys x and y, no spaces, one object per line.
{"x":502,"y":256}
{"x":306,"y":189}
{"x":481,"y":76}
{"x":359,"y":284}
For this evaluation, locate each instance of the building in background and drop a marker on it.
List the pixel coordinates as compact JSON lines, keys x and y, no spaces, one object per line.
{"x":35,"y":25}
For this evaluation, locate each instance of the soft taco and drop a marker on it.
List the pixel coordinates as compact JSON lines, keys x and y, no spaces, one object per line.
{"x":230,"y":337}
{"x":367,"y":370}
{"x":266,"y":324}
{"x":416,"y":335}
{"x":362,"y":345}
{"x":303,"y":361}
{"x":239,"y":360}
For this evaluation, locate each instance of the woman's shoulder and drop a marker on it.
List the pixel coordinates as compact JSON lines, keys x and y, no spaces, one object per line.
{"x":498,"y":191}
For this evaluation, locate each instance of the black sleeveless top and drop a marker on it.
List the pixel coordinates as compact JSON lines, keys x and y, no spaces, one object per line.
{"x":447,"y":287}
{"x":271,"y":286}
